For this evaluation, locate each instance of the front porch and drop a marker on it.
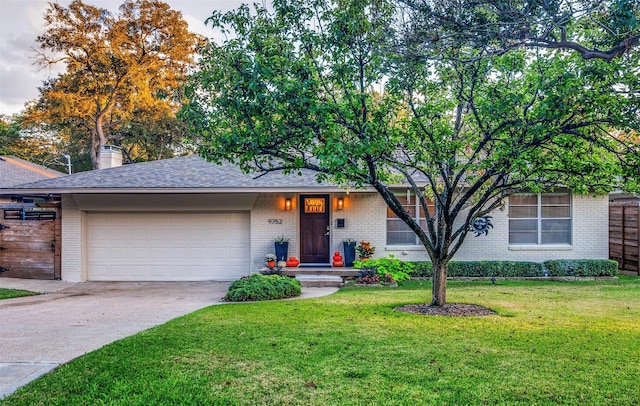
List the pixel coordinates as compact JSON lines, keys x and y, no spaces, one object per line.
{"x":321,"y":277}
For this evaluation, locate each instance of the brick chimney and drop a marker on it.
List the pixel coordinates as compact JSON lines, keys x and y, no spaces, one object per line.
{"x":110,"y":157}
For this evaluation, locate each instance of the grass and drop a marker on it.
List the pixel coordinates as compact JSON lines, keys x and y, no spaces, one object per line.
{"x":12,"y":293}
{"x":551,"y":343}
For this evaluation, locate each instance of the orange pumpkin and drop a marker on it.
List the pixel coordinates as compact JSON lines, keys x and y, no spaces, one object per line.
{"x":293,"y":262}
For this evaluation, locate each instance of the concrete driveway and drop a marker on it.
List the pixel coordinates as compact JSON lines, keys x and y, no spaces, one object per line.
{"x":38,"y":333}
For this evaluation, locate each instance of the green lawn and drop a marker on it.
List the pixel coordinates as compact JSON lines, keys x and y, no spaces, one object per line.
{"x":11,"y":293}
{"x":551,"y":343}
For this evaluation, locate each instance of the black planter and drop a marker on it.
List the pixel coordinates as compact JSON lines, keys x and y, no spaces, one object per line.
{"x":349,"y":253}
{"x":282,"y":250}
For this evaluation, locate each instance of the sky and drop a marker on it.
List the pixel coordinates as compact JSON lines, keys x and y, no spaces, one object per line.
{"x":21,"y":21}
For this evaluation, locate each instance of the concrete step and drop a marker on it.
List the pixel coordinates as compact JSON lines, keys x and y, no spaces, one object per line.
{"x":321,"y":271}
{"x":319,"y":281}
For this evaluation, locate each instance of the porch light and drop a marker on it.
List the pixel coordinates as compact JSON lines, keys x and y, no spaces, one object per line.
{"x":340,"y":203}
{"x":287,"y":204}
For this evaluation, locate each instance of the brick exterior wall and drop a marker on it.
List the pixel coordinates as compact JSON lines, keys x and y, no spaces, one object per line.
{"x":73,"y":254}
{"x":365,"y":219}
{"x":590,"y":233}
{"x":270,"y":220}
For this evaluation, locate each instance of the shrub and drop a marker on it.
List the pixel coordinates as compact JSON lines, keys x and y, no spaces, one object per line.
{"x":483,"y":269}
{"x":495,"y":268}
{"x":582,"y":267}
{"x":422,"y":269}
{"x":388,"y":269}
{"x":261,"y":287}
{"x":562,"y":267}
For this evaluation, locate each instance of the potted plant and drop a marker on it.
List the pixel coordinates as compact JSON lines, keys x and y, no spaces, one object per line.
{"x":365,"y":250}
{"x":271,"y":260}
{"x":282,"y":248}
{"x":349,"y":246}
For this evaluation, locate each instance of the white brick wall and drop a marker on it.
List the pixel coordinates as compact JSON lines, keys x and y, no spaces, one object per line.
{"x":590,"y":228}
{"x":72,"y":241}
{"x":365,"y":219}
{"x":268,"y":221}
{"x":360,"y":212}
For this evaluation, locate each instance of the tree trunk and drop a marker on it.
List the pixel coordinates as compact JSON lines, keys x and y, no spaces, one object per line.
{"x":439,"y":292}
{"x":102,"y":141}
{"x":92,"y":150}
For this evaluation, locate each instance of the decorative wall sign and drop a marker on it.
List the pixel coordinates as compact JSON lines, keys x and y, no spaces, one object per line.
{"x":314,"y":205}
{"x":481,"y":225}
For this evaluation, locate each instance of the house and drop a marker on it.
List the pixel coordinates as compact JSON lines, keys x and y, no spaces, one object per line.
{"x":29,"y":223}
{"x":187,"y":219}
{"x":15,"y":171}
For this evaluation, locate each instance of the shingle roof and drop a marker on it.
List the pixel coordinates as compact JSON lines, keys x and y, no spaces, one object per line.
{"x":188,"y":172}
{"x":15,"y":171}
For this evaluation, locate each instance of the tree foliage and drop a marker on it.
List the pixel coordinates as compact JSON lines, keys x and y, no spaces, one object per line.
{"x":498,"y":26}
{"x":120,"y":70}
{"x":351,"y":90}
{"x":33,"y":143}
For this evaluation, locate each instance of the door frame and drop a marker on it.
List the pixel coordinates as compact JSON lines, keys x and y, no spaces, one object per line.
{"x":325,"y":228}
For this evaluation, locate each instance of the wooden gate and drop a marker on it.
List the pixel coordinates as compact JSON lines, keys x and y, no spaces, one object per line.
{"x":624,"y":247}
{"x":30,"y":243}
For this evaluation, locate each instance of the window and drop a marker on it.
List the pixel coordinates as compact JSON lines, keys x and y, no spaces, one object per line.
{"x":540,"y":219}
{"x":398,"y":233}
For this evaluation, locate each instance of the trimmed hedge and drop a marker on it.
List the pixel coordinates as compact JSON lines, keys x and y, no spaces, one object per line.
{"x":562,"y":267}
{"x":582,"y":267}
{"x":262,"y":287}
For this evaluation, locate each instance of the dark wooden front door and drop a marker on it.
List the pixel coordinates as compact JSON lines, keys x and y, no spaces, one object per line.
{"x":314,"y":229}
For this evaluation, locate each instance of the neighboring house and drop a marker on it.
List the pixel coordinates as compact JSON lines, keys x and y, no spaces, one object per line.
{"x":15,"y":171}
{"x":29,"y":223}
{"x":188,"y":219}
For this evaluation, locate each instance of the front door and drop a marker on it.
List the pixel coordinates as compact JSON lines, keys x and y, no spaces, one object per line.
{"x":314,"y":229}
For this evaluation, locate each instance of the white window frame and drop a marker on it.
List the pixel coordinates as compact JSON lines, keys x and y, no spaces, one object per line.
{"x":539,"y":220}
{"x":415,"y":202}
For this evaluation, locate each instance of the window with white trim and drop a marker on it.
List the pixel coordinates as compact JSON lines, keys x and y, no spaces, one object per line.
{"x":398,"y":233}
{"x":540,"y":219}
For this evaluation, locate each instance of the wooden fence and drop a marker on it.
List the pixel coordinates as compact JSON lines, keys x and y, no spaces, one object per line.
{"x":30,"y":243}
{"x":624,"y":241}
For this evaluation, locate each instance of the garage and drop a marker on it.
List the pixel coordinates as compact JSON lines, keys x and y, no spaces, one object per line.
{"x":167,"y":246}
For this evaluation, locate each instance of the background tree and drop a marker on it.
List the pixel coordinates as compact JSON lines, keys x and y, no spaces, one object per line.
{"x":118,"y":68}
{"x":348,"y":89}
{"x":152,"y":135}
{"x":9,"y":134}
{"x":33,"y":143}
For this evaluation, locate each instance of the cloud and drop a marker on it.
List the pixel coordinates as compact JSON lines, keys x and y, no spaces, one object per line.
{"x":21,"y":21}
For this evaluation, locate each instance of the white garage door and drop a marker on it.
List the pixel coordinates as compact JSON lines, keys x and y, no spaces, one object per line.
{"x":167,"y":246}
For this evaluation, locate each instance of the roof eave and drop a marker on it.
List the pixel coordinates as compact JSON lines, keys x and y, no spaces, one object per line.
{"x":61,"y":191}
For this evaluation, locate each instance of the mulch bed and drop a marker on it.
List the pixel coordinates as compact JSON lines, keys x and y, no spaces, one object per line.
{"x":449,"y":309}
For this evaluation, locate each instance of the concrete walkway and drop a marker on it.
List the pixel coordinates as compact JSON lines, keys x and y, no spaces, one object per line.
{"x":39,"y":333}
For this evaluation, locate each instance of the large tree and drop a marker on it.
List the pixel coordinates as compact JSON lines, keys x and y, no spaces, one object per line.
{"x":118,"y":69}
{"x":353,"y":91}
